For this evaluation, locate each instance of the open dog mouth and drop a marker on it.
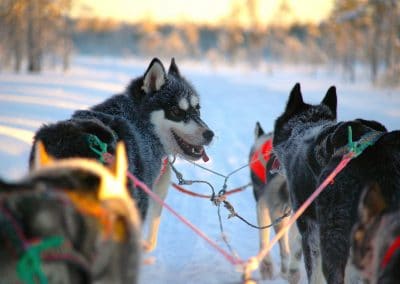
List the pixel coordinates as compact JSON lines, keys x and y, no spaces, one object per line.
{"x":195,"y":151}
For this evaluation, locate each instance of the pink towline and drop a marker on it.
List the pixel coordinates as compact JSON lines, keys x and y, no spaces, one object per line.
{"x":343,"y":163}
{"x":233,"y":260}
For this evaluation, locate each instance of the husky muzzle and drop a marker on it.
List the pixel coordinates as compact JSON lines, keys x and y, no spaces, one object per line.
{"x":208,"y":134}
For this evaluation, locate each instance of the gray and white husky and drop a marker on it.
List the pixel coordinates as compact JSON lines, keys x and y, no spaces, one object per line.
{"x":272,"y":198}
{"x":158,"y":115}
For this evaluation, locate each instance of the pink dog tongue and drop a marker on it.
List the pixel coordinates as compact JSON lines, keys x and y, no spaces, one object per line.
{"x":205,"y":157}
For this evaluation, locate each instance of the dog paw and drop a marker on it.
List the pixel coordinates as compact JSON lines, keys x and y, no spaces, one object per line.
{"x":266,"y":269}
{"x":149,"y":260}
{"x":284,"y":268}
{"x":148,"y":246}
{"x":293,"y":277}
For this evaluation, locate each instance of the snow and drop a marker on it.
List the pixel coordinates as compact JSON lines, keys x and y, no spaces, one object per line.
{"x":233,"y":99}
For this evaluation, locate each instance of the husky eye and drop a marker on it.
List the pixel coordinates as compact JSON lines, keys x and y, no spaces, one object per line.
{"x":177,"y":112}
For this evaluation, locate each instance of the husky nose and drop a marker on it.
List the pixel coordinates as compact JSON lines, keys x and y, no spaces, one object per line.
{"x":208,"y":135}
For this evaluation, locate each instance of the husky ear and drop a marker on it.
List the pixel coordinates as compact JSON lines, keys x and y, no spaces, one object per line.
{"x":258,"y":131}
{"x":330,"y":99}
{"x":372,"y":203}
{"x":41,"y":157}
{"x":173,"y":69}
{"x":154,"y":77}
{"x":295,"y":99}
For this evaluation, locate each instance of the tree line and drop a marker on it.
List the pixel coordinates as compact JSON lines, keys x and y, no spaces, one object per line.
{"x":33,"y":29}
{"x":359,"y":34}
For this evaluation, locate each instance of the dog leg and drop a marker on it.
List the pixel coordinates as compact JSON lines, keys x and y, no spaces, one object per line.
{"x":310,"y":245}
{"x":335,"y":244}
{"x":264,"y":218}
{"x":295,"y":255}
{"x":352,"y":276}
{"x":154,"y":214}
{"x":317,"y":276}
{"x":312,"y":254}
{"x":284,"y":247}
{"x":333,"y":250}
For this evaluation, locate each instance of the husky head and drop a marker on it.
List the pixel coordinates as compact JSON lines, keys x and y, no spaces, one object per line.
{"x":375,"y":238}
{"x":257,"y":160}
{"x":173,"y":107}
{"x":299,"y":114}
{"x":82,"y":204}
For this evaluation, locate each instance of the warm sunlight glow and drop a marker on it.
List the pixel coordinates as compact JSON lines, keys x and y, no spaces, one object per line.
{"x":205,"y":11}
{"x":17,"y":133}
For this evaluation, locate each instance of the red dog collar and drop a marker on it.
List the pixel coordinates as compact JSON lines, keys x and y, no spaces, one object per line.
{"x":260,"y":159}
{"x":390,"y":252}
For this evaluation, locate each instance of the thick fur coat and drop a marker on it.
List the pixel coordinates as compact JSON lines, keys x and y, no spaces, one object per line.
{"x":309,"y":144}
{"x":53,"y":203}
{"x":158,"y":115}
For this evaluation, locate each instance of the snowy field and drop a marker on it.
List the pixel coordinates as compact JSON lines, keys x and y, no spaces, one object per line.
{"x":233,"y":99}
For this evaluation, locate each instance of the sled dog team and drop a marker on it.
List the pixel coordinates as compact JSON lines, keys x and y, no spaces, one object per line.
{"x":76,"y":218}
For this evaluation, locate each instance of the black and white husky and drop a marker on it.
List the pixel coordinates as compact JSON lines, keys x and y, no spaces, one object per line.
{"x":309,"y":144}
{"x":158,"y":115}
{"x":272,"y":198}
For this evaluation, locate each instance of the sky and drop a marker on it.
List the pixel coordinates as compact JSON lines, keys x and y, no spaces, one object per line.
{"x":202,"y":11}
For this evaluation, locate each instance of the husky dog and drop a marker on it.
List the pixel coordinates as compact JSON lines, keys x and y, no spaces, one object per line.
{"x":309,"y":144}
{"x":80,"y":213}
{"x":376,"y":238}
{"x":272,"y":198}
{"x":158,"y":115}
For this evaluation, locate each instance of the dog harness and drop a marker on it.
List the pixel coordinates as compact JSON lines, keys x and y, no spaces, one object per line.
{"x":260,"y":159}
{"x":105,"y":157}
{"x":357,"y":147}
{"x":31,"y":253}
{"x":390,"y":252}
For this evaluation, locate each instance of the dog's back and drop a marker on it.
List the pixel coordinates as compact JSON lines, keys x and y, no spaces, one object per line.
{"x":70,"y":138}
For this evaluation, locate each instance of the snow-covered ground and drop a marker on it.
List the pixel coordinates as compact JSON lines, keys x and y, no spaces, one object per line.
{"x":233,"y":99}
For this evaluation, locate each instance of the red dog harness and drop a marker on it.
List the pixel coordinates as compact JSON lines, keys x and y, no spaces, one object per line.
{"x":390,"y":252}
{"x":260,"y":159}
